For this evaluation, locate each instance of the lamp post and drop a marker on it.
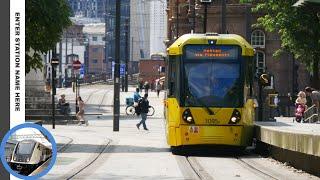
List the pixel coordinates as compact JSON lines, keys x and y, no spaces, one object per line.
{"x":205,"y":2}
{"x":223,"y":16}
{"x":54,"y":64}
{"x":116,"y":101}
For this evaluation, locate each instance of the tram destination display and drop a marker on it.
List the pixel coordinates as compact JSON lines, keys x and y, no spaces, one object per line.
{"x":211,"y":52}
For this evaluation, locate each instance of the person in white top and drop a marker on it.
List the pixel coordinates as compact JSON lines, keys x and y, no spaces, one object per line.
{"x":80,"y":114}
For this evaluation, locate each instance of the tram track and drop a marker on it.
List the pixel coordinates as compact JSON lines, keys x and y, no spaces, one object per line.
{"x":91,"y":160}
{"x":252,"y":167}
{"x":194,"y":168}
{"x":191,"y":168}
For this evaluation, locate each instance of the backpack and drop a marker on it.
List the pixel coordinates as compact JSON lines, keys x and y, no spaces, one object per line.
{"x":138,"y":107}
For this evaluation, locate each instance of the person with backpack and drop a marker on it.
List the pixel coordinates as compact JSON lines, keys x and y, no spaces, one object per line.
{"x":144,"y":109}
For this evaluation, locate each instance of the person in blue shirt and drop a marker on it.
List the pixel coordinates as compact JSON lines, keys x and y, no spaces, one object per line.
{"x":136,"y":96}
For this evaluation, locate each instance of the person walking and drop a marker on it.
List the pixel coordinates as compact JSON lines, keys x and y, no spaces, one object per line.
{"x":80,"y":114}
{"x":158,"y":88}
{"x":146,"y":87}
{"x":144,"y":109}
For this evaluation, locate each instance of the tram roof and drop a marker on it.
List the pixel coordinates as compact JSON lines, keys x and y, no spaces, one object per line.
{"x":225,"y":39}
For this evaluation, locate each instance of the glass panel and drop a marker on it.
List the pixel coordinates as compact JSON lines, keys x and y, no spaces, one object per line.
{"x":25,"y":148}
{"x":213,"y":84}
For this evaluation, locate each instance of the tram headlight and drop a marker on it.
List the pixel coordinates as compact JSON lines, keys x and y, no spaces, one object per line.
{"x":235,"y":117}
{"x":28,"y":159}
{"x":15,"y":158}
{"x":189,"y":119}
{"x":187,"y":116}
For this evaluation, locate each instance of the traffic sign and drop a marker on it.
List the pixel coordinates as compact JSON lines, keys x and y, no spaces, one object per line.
{"x":76,"y":64}
{"x":122,"y":69}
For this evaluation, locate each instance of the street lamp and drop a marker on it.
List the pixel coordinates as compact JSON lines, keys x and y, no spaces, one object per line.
{"x":54,"y":63}
{"x":205,"y":2}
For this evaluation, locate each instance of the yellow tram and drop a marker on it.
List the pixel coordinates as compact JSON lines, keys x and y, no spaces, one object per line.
{"x":209,"y":96}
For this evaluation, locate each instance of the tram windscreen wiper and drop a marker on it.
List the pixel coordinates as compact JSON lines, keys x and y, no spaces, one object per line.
{"x":198,"y":101}
{"x":210,"y":112}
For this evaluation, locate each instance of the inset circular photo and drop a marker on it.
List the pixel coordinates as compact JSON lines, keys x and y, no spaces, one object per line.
{"x":28,"y":151}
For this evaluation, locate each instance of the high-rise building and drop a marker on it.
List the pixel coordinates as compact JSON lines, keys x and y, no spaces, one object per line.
{"x":110,"y":19}
{"x":158,"y":26}
{"x":139,"y":29}
{"x":88,"y":8}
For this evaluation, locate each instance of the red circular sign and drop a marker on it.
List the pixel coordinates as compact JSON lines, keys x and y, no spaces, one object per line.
{"x":76,"y":64}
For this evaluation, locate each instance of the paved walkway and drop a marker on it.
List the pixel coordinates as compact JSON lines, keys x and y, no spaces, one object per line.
{"x":127,"y":154}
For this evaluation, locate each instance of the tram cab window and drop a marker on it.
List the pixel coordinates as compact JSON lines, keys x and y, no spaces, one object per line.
{"x":172,"y":75}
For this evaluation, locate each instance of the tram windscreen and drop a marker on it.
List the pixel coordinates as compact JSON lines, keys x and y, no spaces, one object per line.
{"x":212,"y":83}
{"x":25,"y":148}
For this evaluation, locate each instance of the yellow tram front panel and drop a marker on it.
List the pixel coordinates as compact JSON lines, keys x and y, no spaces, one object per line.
{"x":223,"y":135}
{"x":208,"y":129}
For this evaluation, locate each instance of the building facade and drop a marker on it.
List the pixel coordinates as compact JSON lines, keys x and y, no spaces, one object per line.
{"x":158,"y":26}
{"x":110,"y":19}
{"x":186,"y":16}
{"x":95,"y":62}
{"x":139,"y":29}
{"x":87,"y":8}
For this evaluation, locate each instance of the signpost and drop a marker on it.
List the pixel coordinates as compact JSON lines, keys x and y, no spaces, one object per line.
{"x":122,"y":70}
{"x":76,"y":66}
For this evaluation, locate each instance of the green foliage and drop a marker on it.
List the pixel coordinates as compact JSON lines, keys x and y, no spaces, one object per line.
{"x":45,"y":21}
{"x":245,"y":1}
{"x":299,"y":30}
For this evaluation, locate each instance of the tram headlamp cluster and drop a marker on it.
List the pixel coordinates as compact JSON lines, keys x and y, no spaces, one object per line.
{"x":235,"y":117}
{"x":15,"y":158}
{"x":187,"y":116}
{"x":28,"y":159}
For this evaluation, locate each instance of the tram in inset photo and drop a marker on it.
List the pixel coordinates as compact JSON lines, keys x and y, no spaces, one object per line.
{"x":29,"y":154}
{"x":209,"y":98}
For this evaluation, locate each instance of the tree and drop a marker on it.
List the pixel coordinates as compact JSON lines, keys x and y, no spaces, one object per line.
{"x":299,"y":30}
{"x":45,"y":21}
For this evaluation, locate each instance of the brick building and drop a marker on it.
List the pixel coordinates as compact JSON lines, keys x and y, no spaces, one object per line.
{"x":149,"y":70}
{"x":186,"y":16}
{"x":96,"y":59}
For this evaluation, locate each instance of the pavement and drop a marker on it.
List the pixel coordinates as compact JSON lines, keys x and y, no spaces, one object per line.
{"x":127,"y":154}
{"x":97,"y":152}
{"x":286,"y":134}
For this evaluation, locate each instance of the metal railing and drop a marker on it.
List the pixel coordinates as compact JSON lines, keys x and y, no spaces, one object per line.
{"x":311,"y":115}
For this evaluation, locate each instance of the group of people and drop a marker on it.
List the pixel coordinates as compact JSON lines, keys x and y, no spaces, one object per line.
{"x":308,"y":97}
{"x":146,"y":86}
{"x":65,"y":109}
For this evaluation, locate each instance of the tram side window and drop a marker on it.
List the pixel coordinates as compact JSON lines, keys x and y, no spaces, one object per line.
{"x":172,"y":75}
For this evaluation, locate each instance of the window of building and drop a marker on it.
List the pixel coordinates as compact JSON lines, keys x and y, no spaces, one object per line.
{"x":260,"y":62}
{"x":95,"y":49}
{"x":104,"y":38}
{"x":258,"y":39}
{"x":104,"y":61}
{"x":94,"y":38}
{"x":94,"y":61}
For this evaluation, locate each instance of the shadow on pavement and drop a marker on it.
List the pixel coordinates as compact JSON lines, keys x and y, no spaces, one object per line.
{"x":90,"y":148}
